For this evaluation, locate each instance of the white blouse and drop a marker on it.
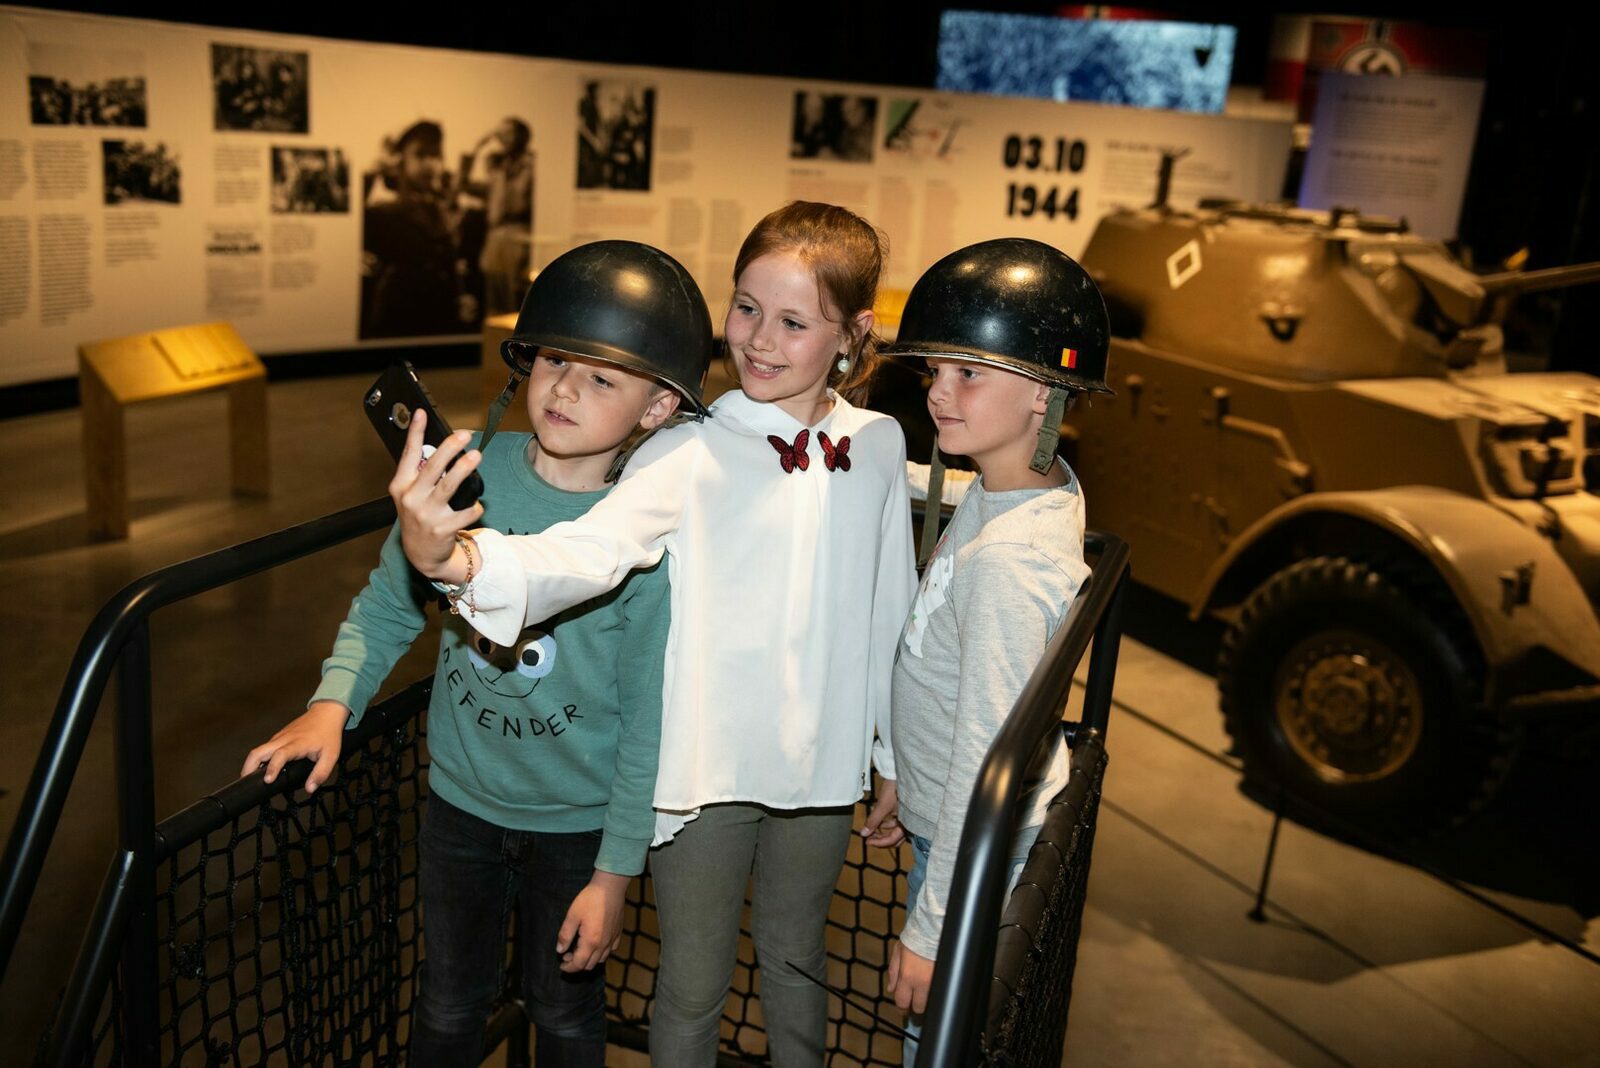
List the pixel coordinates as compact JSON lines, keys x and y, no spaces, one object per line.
{"x":789,"y":591}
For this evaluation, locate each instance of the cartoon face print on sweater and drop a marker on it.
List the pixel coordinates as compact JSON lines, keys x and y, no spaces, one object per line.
{"x":932,"y":595}
{"x":515,"y":671}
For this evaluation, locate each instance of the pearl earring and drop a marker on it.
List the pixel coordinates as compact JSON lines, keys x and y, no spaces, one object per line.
{"x":844,"y":363}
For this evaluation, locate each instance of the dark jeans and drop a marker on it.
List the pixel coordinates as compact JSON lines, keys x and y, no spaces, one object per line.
{"x":470,"y":871}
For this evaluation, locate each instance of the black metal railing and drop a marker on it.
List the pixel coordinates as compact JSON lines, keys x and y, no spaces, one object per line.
{"x":254,"y":926}
{"x":122,"y":931}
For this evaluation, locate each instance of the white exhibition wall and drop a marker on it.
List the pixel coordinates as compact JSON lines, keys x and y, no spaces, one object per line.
{"x":250,"y":190}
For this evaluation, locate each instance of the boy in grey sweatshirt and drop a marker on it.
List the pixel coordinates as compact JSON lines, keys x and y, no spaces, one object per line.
{"x":1009,"y":330}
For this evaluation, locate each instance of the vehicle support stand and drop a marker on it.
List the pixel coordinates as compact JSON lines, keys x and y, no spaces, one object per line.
{"x":1258,"y":914}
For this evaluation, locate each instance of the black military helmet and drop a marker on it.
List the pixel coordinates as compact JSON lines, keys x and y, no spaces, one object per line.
{"x":1013,"y":302}
{"x":622,"y":302}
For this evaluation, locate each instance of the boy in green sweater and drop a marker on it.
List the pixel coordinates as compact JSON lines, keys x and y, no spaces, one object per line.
{"x":543,"y":755}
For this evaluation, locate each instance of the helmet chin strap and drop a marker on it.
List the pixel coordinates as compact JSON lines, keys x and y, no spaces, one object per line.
{"x":931,"y":509}
{"x":1044,"y":456}
{"x":614,"y":472}
{"x":497,"y":408}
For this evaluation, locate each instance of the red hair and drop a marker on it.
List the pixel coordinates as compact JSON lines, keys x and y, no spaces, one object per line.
{"x":845,"y":253}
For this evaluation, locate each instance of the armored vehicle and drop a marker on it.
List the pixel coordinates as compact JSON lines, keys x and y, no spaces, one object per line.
{"x":1314,"y":437}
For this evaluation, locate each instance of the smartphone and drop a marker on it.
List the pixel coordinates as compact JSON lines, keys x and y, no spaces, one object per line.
{"x":393,"y":400}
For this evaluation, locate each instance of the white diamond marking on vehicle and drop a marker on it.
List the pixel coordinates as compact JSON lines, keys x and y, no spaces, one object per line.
{"x":1183,"y":264}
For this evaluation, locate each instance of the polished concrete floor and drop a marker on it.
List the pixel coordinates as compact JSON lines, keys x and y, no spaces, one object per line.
{"x":1362,"y":960}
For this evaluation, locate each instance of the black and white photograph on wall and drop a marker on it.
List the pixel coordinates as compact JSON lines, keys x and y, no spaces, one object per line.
{"x":418,"y":277}
{"x":136,"y":171}
{"x":309,"y":181}
{"x":616,"y":134}
{"x":260,"y":89}
{"x":495,"y":201}
{"x":833,"y":126}
{"x":71,"y":86}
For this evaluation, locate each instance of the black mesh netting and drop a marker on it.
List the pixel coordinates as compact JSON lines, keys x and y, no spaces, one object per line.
{"x":291,"y":934}
{"x":288,"y":929}
{"x":1037,"y":947}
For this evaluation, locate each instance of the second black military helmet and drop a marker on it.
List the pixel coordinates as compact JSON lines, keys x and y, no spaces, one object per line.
{"x":1013,"y":302}
{"x":620,"y":302}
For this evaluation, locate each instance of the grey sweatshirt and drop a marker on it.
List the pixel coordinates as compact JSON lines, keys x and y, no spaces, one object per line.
{"x":994,"y":593}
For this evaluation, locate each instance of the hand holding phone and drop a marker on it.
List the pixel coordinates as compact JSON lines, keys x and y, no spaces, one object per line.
{"x":392,"y":402}
{"x":430,"y":530}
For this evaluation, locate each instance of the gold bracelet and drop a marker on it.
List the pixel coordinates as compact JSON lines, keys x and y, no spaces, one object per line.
{"x":464,"y":540}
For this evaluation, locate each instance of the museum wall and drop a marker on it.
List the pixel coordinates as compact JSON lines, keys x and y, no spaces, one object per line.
{"x":154,"y":174}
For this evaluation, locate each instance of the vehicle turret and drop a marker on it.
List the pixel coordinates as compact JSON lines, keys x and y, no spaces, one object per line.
{"x":1310,"y":296}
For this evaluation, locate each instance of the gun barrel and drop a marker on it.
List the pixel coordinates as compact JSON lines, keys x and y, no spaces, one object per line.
{"x":1532,"y":281}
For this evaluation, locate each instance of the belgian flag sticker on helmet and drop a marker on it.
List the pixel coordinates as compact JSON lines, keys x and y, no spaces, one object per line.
{"x":1069,"y":358}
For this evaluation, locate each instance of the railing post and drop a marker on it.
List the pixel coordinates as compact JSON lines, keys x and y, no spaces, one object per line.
{"x":91,"y":974}
{"x":1103,"y":659}
{"x":137,"y":825}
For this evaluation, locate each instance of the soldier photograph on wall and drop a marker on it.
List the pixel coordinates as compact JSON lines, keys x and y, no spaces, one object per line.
{"x":137,"y":171}
{"x":421,"y":241}
{"x":833,"y":126}
{"x":616,"y":134}
{"x":309,"y":181}
{"x":70,"y":86}
{"x":495,"y":200}
{"x":260,"y":89}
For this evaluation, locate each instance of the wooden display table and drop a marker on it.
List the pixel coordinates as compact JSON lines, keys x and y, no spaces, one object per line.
{"x":167,"y":363}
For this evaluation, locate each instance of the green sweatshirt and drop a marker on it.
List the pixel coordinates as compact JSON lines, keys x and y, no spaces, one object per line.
{"x":561,"y":733}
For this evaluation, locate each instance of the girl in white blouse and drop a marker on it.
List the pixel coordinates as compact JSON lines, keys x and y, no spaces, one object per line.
{"x":785,"y":519}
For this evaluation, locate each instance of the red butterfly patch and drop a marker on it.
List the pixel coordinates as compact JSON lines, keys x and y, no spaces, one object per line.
{"x":792,"y":456}
{"x":835,"y":456}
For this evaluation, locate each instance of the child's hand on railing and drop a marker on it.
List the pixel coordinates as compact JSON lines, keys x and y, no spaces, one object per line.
{"x":421,"y":490}
{"x":317,"y":733}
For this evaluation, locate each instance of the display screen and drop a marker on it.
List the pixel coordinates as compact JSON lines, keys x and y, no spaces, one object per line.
{"x":1145,"y":63}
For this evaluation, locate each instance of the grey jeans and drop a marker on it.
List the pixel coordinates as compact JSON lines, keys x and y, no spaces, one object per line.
{"x":700,"y":879}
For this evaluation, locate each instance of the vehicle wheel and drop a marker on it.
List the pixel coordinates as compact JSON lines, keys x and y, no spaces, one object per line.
{"x":1357,"y":691}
